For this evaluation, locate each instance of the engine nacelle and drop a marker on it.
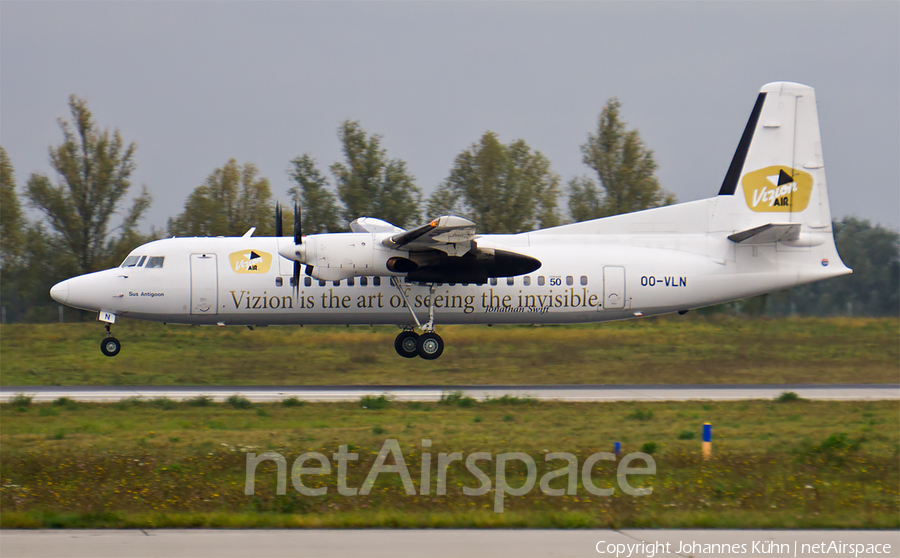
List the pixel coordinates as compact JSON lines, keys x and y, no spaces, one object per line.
{"x":336,"y":256}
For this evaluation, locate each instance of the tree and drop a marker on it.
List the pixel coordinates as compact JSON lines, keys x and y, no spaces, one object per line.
{"x":231,"y":201}
{"x":318,"y":204}
{"x":11,"y":221}
{"x":503,"y":188}
{"x":94,"y":170}
{"x":369,"y":184}
{"x":625,"y":171}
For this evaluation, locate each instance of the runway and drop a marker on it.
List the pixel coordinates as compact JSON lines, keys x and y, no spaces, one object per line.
{"x":439,"y":543}
{"x":637,"y":392}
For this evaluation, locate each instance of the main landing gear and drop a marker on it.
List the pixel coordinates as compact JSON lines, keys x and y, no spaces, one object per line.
{"x":410,"y":344}
{"x":110,"y":346}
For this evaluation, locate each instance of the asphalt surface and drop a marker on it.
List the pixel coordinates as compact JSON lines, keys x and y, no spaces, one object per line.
{"x":831,"y":392}
{"x":440,"y":543}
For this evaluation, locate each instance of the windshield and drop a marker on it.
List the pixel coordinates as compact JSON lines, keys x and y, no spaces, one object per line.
{"x":130,"y":261}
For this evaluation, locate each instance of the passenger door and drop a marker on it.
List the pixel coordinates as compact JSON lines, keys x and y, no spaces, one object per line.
{"x":204,"y":284}
{"x":613,"y":287}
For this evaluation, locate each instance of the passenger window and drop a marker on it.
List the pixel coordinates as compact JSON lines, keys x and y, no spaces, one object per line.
{"x":140,"y":263}
{"x":130,"y":261}
{"x":570,"y":280}
{"x":337,"y":283}
{"x":322,"y":283}
{"x":155,"y":261}
{"x":584,"y":279}
{"x":293,"y":282}
{"x":541,"y":280}
{"x":376,"y":281}
{"x":350,"y":282}
{"x":307,"y":281}
{"x":510,"y":281}
{"x":526,"y":281}
{"x":279,"y":281}
{"x":363,"y":281}
{"x":493,"y":281}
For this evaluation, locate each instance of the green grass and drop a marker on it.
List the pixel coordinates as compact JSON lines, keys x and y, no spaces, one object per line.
{"x":808,"y":464}
{"x":690,"y":349}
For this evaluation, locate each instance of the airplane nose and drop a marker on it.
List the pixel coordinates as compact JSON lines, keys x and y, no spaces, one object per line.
{"x":60,"y":292}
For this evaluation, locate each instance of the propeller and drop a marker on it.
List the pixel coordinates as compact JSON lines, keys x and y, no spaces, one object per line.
{"x":298,"y":240}
{"x":279,"y":229}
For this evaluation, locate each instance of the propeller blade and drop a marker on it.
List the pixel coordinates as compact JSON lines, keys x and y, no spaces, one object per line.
{"x":297,"y":232}
{"x":279,"y":229}
{"x":295,"y":280}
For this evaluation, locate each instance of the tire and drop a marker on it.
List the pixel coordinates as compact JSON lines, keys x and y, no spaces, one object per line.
{"x":430,"y":346}
{"x":110,"y":346}
{"x":407,"y":344}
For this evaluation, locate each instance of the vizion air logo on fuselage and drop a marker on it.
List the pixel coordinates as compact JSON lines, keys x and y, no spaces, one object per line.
{"x":777,"y":188}
{"x":250,"y":261}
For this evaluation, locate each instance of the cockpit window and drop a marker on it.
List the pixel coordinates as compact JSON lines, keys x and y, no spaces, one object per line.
{"x":130,"y":261}
{"x":140,"y":263}
{"x":155,"y":261}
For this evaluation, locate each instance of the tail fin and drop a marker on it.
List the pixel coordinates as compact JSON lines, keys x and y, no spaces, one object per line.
{"x":777,"y":173}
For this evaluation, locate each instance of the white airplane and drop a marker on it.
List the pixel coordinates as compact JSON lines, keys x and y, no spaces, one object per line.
{"x":769,"y":228}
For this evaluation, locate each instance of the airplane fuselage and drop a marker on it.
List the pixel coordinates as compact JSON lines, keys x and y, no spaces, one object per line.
{"x":583,"y":278}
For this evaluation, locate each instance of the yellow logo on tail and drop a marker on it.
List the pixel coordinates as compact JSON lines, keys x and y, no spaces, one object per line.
{"x":250,"y":261}
{"x":777,"y":188}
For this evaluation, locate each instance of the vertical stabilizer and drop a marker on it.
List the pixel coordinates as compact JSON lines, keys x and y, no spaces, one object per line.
{"x":777,"y":174}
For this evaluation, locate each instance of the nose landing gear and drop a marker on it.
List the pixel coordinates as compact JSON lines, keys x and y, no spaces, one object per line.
{"x":408,"y":343}
{"x":110,"y":346}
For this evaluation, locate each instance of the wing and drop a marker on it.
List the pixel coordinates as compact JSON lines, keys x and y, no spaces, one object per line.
{"x":449,"y":234}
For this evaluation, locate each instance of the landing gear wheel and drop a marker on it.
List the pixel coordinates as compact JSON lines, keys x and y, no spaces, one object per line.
{"x":110,"y":346}
{"x":407,"y":344}
{"x":430,"y":346}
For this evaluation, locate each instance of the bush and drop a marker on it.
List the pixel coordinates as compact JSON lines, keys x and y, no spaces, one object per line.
{"x":124,"y":404}
{"x":48,"y":412}
{"x":686,"y":435}
{"x":21,"y":400}
{"x":164,"y":403}
{"x":507,"y":399}
{"x":200,"y":401}
{"x":374,"y":401}
{"x":640,"y":414}
{"x":239,"y":402}
{"x":836,"y":446}
{"x":788,"y":397}
{"x":649,"y":448}
{"x":69,"y":404}
{"x":508,"y":418}
{"x":292,"y":402}
{"x":377,"y":430}
{"x":456,"y":398}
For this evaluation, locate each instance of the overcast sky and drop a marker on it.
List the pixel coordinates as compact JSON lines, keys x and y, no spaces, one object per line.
{"x":196,"y":83}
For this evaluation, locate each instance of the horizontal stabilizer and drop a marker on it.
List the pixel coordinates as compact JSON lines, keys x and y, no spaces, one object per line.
{"x":767,"y":234}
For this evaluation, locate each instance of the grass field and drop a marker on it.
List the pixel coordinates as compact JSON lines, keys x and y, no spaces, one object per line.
{"x":690,"y":349}
{"x":178,"y":464}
